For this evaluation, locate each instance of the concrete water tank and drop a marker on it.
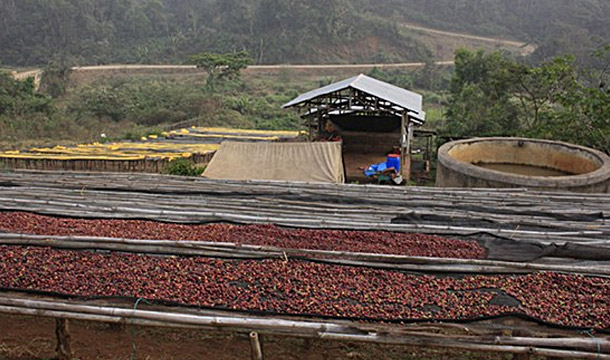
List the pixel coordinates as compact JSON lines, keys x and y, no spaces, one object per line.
{"x":519,"y":162}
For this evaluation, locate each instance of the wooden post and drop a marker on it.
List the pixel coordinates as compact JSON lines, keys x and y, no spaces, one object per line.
{"x":406,"y":140}
{"x":403,"y":145}
{"x":64,"y":350}
{"x":255,"y":345}
{"x":299,"y":121}
{"x":429,"y":154}
{"x":409,"y":149}
{"x":510,"y":331}
{"x":309,"y":127}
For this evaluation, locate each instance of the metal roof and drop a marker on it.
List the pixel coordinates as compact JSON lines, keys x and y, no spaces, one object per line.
{"x":408,"y":100}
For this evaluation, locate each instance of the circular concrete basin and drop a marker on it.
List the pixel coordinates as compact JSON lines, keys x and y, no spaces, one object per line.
{"x":520,"y":162}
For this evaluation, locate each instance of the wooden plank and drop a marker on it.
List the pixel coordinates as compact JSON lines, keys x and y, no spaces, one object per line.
{"x":62,"y":334}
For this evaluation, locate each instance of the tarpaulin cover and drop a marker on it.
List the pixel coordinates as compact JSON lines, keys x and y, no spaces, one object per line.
{"x":311,"y":162}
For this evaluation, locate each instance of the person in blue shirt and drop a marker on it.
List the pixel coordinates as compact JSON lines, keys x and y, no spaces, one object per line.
{"x":383,"y":173}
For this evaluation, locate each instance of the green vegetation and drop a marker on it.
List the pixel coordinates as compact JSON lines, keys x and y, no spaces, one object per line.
{"x":495,"y":95}
{"x":34,"y":32}
{"x":433,"y":78}
{"x":18,"y":98}
{"x":558,"y":26}
{"x":183,"y":167}
{"x":221,"y":67}
{"x":543,"y":95}
{"x":129,"y":107}
{"x":22,"y":110}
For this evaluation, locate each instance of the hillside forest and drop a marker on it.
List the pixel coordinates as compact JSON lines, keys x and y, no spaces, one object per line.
{"x":560,"y":91}
{"x":36,"y":32}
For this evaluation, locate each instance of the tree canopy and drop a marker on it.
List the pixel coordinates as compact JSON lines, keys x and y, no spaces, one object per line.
{"x":18,"y":98}
{"x":221,"y":66}
{"x":495,"y":95}
{"x":34,"y":32}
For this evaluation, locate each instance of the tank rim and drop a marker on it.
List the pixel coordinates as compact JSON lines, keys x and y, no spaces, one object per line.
{"x":466,"y":168}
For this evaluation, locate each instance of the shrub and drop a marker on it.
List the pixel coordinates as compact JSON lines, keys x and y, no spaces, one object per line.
{"x":183,"y":167}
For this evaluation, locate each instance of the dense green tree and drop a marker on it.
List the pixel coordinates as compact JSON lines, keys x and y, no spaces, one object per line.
{"x":221,"y":67}
{"x":482,"y":102}
{"x":493,"y":94}
{"x":581,"y":104}
{"x":557,"y":26}
{"x":18,"y":98}
{"x":33,"y":32}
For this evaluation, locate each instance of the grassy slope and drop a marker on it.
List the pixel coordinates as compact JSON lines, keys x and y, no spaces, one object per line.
{"x":255,"y":103}
{"x":264,"y":93}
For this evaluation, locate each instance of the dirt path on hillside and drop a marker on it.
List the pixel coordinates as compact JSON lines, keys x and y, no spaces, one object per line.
{"x":250,"y":69}
{"x":264,"y":67}
{"x":526,"y":48}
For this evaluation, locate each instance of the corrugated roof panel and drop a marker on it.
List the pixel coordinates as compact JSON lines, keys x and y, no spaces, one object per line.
{"x":397,"y":96}
{"x":393,"y":94}
{"x":328,"y":89}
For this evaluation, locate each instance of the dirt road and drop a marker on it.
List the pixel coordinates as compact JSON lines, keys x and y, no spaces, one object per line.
{"x":526,"y":48}
{"x":251,"y":69}
{"x":262,"y":67}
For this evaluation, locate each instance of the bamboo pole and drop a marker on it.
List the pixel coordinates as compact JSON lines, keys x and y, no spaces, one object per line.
{"x":378,"y":205}
{"x":479,"y":199}
{"x":409,"y":150}
{"x":231,"y":250}
{"x":255,"y":346}
{"x":405,"y":167}
{"x":586,"y":344}
{"x":46,"y":174}
{"x":310,"y":327}
{"x":563,"y":354}
{"x":330,"y":331}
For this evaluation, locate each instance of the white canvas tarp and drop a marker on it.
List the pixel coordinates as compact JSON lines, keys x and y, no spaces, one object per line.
{"x":311,"y":162}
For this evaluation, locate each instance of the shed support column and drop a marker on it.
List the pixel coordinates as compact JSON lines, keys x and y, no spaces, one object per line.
{"x":299,"y":122}
{"x":309,"y":130}
{"x":429,"y":154}
{"x":405,"y":148}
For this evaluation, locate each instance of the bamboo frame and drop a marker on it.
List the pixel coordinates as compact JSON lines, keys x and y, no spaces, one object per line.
{"x":245,"y":251}
{"x":564,"y":347}
{"x":117,"y":165}
{"x":550,"y":225}
{"x":550,"y":218}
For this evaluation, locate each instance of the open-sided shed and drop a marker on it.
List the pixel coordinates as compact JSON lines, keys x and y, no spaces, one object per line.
{"x":368,"y":112}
